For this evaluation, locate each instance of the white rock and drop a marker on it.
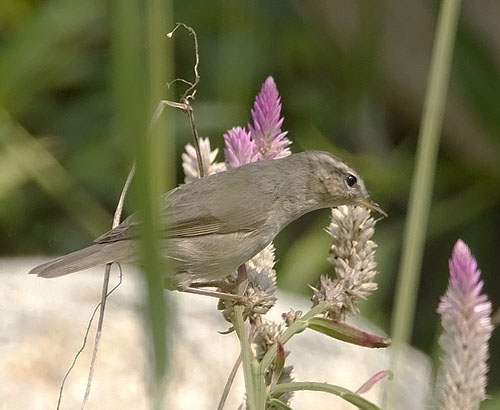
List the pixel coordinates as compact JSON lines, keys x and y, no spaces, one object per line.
{"x":42,"y":324}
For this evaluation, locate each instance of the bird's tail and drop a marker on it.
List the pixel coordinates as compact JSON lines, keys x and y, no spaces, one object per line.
{"x":92,"y":256}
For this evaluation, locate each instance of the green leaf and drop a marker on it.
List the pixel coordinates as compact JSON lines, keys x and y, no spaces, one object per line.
{"x":347,"y":333}
{"x":345,"y":394}
{"x":279,"y":404}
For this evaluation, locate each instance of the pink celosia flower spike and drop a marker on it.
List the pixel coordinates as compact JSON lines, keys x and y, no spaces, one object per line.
{"x":240,"y":148}
{"x":270,"y":141}
{"x":466,"y":320}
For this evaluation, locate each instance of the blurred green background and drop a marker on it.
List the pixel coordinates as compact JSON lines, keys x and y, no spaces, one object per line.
{"x":352,"y":77}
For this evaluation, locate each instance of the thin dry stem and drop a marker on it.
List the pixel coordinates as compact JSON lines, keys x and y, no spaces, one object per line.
{"x":196,"y":139}
{"x":119,"y":208}
{"x":84,"y":343}
{"x":189,"y":94}
{"x":105,"y":283}
{"x":187,"y":109}
{"x":229,"y":383}
{"x":98,"y":333}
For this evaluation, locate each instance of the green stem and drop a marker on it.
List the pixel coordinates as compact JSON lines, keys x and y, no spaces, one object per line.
{"x":421,"y":190}
{"x":423,"y":178}
{"x":134,"y":65}
{"x":345,"y":394}
{"x":246,"y":356}
{"x":259,"y":383}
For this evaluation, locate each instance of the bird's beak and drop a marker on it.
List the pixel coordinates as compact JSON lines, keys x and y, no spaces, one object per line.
{"x":372,"y":206}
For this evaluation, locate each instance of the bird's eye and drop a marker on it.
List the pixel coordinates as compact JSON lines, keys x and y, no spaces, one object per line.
{"x":351,"y":180}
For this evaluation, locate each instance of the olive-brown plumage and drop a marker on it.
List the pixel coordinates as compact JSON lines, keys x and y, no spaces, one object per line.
{"x":213,"y":225}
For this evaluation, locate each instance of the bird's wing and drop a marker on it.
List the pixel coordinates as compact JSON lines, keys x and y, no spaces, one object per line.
{"x":238,"y":220}
{"x":201,"y":211}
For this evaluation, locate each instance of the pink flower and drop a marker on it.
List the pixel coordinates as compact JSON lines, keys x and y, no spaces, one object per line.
{"x":466,"y":320}
{"x":265,"y":140}
{"x":270,"y":140}
{"x":240,"y":148}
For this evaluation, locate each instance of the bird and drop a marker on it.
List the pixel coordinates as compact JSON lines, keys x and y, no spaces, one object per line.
{"x":215,"y":224}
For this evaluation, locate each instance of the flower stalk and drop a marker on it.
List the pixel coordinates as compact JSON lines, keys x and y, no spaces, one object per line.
{"x":466,"y":320}
{"x":352,"y":255}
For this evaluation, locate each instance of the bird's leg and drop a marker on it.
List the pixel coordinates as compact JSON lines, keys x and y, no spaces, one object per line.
{"x":195,"y":288}
{"x":208,"y":284}
{"x":198,"y":287}
{"x":213,"y":293}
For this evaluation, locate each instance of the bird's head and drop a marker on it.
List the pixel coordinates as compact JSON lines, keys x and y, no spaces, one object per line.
{"x":338,"y":184}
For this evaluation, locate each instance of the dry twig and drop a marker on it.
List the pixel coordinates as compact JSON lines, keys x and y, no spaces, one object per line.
{"x":116,"y":221}
{"x":84,"y":343}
